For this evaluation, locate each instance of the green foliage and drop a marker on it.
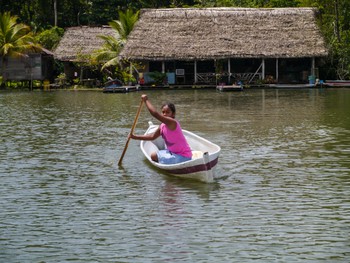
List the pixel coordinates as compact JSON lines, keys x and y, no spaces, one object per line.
{"x":124,"y":25}
{"x":123,"y":74}
{"x":16,"y":39}
{"x":282,"y":3}
{"x":58,"y":67}
{"x":126,"y":77}
{"x":112,"y":46}
{"x":340,"y":56}
{"x":158,"y":77}
{"x":61,"y":76}
{"x":109,"y":52}
{"x":50,"y":38}
{"x":334,"y":21}
{"x":62,"y":79}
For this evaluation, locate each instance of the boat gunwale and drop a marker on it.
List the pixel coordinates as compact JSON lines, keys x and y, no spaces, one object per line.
{"x":185,"y":165}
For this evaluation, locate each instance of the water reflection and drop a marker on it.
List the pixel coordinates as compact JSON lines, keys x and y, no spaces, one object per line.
{"x":282,"y":193}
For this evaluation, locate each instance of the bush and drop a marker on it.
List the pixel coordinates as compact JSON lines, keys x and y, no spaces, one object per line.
{"x":158,"y":77}
{"x":50,"y":38}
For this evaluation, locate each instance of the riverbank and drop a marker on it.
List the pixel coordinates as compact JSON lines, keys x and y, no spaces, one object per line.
{"x":175,"y":87}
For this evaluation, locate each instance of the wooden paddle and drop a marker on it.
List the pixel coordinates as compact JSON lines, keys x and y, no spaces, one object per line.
{"x":132,"y":130}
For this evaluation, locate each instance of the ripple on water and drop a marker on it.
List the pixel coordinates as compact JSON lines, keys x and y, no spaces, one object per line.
{"x":282,"y":195}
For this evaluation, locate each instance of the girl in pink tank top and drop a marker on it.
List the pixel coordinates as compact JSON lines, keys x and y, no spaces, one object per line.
{"x":178,"y":150}
{"x":175,"y":140}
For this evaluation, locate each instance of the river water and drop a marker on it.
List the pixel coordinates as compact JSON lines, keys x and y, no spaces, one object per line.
{"x":282,"y":192}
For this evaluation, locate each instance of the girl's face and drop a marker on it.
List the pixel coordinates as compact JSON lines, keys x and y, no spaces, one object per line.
{"x":166,"y":111}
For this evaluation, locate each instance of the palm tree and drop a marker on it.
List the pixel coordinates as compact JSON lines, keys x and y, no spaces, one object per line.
{"x":109,"y":52}
{"x":125,"y":24}
{"x":114,"y":44}
{"x":16,"y":39}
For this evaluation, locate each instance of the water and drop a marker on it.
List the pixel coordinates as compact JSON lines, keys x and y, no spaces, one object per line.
{"x":282,"y":194}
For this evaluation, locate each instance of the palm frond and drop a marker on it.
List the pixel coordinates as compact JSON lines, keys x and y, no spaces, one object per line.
{"x":15,"y":39}
{"x":112,"y":62}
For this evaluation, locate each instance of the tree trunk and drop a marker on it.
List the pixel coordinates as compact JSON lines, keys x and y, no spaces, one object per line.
{"x":337,"y":29}
{"x":55,"y":11}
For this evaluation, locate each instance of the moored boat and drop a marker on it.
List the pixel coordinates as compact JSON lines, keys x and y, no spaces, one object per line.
{"x":292,"y":86}
{"x":229,"y":87}
{"x":337,"y":83}
{"x":122,"y":89}
{"x":205,"y":155}
{"x":115,"y":86}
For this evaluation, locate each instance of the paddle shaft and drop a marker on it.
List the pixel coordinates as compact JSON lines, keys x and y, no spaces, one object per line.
{"x":132,"y":130}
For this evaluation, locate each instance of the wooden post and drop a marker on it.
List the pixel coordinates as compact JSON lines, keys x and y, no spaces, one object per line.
{"x":277,"y":70}
{"x":312,"y":66}
{"x":195,"y":72}
{"x":81,"y":74}
{"x":263,"y":69}
{"x":229,"y":70}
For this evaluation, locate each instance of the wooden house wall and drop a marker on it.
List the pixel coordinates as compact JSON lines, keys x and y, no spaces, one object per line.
{"x":33,"y":67}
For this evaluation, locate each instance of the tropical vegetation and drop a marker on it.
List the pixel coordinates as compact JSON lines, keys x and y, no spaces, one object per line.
{"x":108,"y":54}
{"x":46,"y":19}
{"x":16,"y":40}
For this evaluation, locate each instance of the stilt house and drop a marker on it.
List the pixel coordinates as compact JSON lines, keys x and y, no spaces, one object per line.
{"x":75,"y":47}
{"x":32,"y":66}
{"x":210,"y":45}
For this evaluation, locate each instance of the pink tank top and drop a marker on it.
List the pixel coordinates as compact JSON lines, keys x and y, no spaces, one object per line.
{"x":175,"y":140}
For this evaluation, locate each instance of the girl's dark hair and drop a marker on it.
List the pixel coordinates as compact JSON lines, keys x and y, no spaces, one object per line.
{"x":170,"y":105}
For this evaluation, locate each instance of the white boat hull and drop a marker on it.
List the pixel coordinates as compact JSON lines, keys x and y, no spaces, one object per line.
{"x":223,"y":88}
{"x":201,"y":167}
{"x":292,"y":86}
{"x":337,"y":83}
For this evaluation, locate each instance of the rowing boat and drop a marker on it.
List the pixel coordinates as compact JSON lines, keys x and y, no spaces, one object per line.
{"x":116,"y":86}
{"x":205,"y":155}
{"x":232,"y":87}
{"x":337,"y":83}
{"x":292,"y":86}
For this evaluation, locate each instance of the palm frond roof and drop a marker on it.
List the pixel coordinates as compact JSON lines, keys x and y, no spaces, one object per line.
{"x":81,"y":41}
{"x":219,"y":33}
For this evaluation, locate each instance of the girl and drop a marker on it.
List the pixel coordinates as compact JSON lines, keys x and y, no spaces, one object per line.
{"x":178,"y":149}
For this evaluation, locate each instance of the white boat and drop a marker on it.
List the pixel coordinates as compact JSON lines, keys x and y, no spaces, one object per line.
{"x":232,"y":87}
{"x":292,"y":86}
{"x":337,"y":83}
{"x":205,"y":155}
{"x":116,"y":86}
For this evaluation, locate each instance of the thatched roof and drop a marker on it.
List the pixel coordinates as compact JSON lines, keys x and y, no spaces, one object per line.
{"x":187,"y":34}
{"x":80,"y":41}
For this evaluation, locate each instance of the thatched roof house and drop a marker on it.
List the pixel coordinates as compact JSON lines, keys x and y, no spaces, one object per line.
{"x":76,"y":45}
{"x":78,"y":42}
{"x":193,"y":45}
{"x":220,"y":33}
{"x":31,"y":66}
{"x":249,"y":44}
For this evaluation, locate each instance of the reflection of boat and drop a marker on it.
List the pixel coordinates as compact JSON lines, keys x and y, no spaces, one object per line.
{"x":204,"y":159}
{"x":229,"y":87}
{"x":337,"y":83}
{"x":292,"y":86}
{"x":173,"y":184}
{"x":115,"y":85}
